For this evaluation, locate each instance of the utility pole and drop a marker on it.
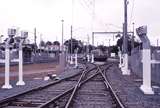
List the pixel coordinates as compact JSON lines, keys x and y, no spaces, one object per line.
{"x":62,"y":55}
{"x":125,"y":28}
{"x":71,"y":62}
{"x":92,"y":39}
{"x":88,"y":43}
{"x":35,"y":39}
{"x":71,"y":39}
{"x":71,"y":45}
{"x":132,"y":44}
{"x":35,"y":36}
{"x":62,"y":33}
{"x":93,"y":16}
{"x":88,"y":56}
{"x":125,"y":70}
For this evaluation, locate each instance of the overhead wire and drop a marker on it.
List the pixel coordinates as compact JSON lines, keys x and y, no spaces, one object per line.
{"x":87,"y":5}
{"x":132,"y":12}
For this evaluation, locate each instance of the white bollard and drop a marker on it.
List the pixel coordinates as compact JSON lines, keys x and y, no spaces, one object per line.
{"x":146,"y":60}
{"x":68,"y":59}
{"x":71,"y":62}
{"x":113,"y":55}
{"x":20,"y":77}
{"x":124,"y":68}
{"x":92,"y":60}
{"x":88,"y":57}
{"x":76,"y":61}
{"x":7,"y":70}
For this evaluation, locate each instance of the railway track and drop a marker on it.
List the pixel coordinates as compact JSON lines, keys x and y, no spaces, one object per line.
{"x":90,"y":89}
{"x":94,"y":92}
{"x":41,"y":94}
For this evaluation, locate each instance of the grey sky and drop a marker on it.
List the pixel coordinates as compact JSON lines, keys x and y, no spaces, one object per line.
{"x":46,"y":15}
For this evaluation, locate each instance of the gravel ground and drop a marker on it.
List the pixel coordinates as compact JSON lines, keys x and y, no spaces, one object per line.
{"x":30,"y":71}
{"x":127,"y":88}
{"x":36,"y":79}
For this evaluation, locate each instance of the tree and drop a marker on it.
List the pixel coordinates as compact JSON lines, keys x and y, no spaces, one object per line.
{"x":120,"y":43}
{"x":56,"y":43}
{"x":33,"y":47}
{"x":42,"y":43}
{"x":102,"y":48}
{"x":48,"y":43}
{"x":114,"y":49}
{"x":75,"y":45}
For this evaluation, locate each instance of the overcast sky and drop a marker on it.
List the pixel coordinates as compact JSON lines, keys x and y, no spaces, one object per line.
{"x":46,"y":16}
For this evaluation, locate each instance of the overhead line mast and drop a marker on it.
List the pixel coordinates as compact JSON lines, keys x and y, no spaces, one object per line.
{"x":125,"y":70}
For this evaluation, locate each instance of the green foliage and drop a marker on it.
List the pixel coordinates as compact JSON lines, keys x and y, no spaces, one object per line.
{"x":56,"y":43}
{"x":76,"y":44}
{"x":120,"y":43}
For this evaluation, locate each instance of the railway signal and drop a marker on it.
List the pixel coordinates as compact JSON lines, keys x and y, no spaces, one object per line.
{"x":24,"y":35}
{"x":11,"y":33}
{"x":146,"y":60}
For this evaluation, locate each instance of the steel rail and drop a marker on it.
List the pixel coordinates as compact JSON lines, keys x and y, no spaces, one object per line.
{"x":81,"y":83}
{"x":74,"y":90}
{"x":77,"y":86}
{"x":13,"y":97}
{"x":65,"y":92}
{"x":108,"y":85}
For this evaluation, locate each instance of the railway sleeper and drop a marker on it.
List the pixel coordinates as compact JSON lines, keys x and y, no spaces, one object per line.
{"x":26,"y":103}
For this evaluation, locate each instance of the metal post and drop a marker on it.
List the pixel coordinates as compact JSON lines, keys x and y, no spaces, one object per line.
{"x":76,"y":60}
{"x":146,"y":60}
{"x":133,"y":37}
{"x":92,"y":38}
{"x":93,"y":16}
{"x":71,"y":46}
{"x":125,"y":28}
{"x":88,"y":56}
{"x":92,"y":61}
{"x":125,"y":70}
{"x":35,"y":36}
{"x":62,"y":55}
{"x":7,"y":70}
{"x":71,"y":62}
{"x":24,"y":35}
{"x":20,"y":77}
{"x":62,"y":37}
